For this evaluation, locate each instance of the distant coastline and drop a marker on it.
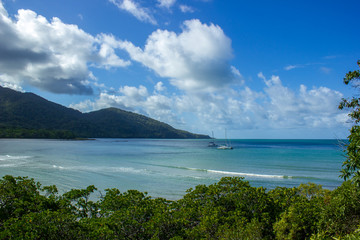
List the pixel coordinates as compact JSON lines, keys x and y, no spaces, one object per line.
{"x":26,"y":115}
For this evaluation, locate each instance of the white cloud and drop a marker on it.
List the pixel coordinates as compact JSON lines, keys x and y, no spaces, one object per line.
{"x":186,"y":9}
{"x":166,"y":3}
{"x":7,"y":81}
{"x":51,"y":55}
{"x":159,"y":87}
{"x":275,"y":107}
{"x":261,"y":75}
{"x":235,"y":71}
{"x":135,"y":9}
{"x":3,"y":11}
{"x":108,"y":57}
{"x":194,"y":60}
{"x":291,"y":67}
{"x":135,"y":99}
{"x":312,"y":108}
{"x":305,"y":65}
{"x":133,"y":93}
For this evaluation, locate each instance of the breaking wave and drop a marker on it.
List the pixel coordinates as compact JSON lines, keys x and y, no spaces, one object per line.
{"x":248,"y":174}
{"x":101,"y":169}
{"x":9,"y":157}
{"x":13,"y":161}
{"x":229,"y":173}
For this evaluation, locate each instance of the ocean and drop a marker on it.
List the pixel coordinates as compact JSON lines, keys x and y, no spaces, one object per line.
{"x":167,"y":168}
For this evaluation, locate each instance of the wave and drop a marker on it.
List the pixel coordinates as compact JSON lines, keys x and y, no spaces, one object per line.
{"x":58,"y":167}
{"x":248,"y":174}
{"x":230,"y":173}
{"x":127,"y":170}
{"x":145,"y":171}
{"x":9,"y":157}
{"x":101,"y":169}
{"x":13,"y":161}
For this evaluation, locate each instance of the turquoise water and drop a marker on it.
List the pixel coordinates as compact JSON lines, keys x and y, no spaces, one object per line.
{"x":167,"y":168}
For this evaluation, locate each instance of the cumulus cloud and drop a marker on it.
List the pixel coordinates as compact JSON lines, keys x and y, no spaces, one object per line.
{"x":142,"y":14}
{"x":136,"y":99}
{"x":51,"y":55}
{"x":56,"y":57}
{"x":107,"y":57}
{"x":134,"y":94}
{"x":312,"y":108}
{"x":274,"y":107}
{"x":197,"y":59}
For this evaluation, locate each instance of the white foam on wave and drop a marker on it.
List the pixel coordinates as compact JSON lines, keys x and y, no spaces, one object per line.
{"x":9,"y":157}
{"x":58,"y":167}
{"x":127,"y":170}
{"x":234,"y":173}
{"x":247,"y":174}
{"x":101,"y":169}
{"x":12,"y":161}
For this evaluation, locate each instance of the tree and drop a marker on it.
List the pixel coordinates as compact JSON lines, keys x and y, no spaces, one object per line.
{"x":351,"y":166}
{"x":229,"y":209}
{"x":340,"y":215}
{"x":300,"y":209}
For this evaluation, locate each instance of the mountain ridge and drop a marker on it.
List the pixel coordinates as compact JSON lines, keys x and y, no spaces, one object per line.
{"x":27,"y":115}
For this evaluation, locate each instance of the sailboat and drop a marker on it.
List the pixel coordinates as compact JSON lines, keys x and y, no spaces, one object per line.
{"x":212,"y":143}
{"x":227,"y":146}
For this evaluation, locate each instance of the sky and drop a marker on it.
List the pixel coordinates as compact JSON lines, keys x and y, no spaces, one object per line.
{"x":257,"y":69}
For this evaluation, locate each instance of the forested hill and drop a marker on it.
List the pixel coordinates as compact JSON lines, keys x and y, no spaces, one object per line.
{"x":27,"y":115}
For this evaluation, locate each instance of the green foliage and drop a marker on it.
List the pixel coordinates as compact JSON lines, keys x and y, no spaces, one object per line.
{"x":282,"y":198}
{"x":302,"y":208}
{"x":44,"y":225}
{"x":35,"y":133}
{"x":79,"y":199}
{"x":340,"y":214}
{"x":228,"y":209}
{"x":210,"y":211}
{"x":19,"y":196}
{"x":351,"y":166}
{"x":298,"y":221}
{"x":351,"y":236}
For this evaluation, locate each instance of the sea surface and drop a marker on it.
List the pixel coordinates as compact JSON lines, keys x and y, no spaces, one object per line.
{"x":167,"y":168}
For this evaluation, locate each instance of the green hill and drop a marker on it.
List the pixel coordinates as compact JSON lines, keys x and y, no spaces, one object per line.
{"x":26,"y":115}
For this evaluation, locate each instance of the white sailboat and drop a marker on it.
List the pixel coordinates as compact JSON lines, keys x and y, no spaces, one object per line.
{"x":227,"y":146}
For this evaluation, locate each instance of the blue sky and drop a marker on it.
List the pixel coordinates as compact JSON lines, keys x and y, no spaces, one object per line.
{"x":260,"y":69}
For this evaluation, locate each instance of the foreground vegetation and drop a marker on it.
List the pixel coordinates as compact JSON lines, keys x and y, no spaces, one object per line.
{"x":229,"y":209}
